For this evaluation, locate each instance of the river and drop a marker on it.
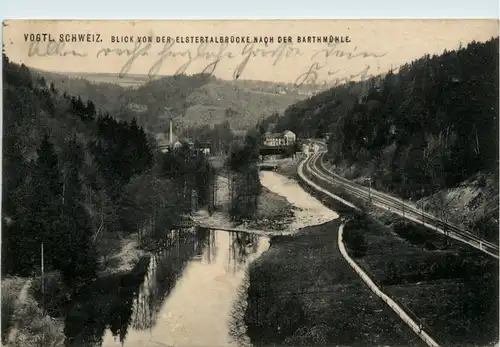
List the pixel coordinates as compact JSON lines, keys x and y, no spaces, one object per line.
{"x":190,"y":290}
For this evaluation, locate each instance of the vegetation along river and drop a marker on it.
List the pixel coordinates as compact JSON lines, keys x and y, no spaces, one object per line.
{"x":191,"y":292}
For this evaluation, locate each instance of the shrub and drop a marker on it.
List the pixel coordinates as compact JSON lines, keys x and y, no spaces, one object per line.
{"x":354,"y":239}
{"x":25,"y":320}
{"x":35,"y":328}
{"x":10,"y":293}
{"x":55,"y":293}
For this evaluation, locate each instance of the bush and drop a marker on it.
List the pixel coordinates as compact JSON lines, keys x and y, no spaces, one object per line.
{"x":487,"y":227}
{"x":354,"y":239}
{"x":36,"y":329}
{"x":55,"y":293}
{"x":27,"y":319}
{"x":10,"y":292}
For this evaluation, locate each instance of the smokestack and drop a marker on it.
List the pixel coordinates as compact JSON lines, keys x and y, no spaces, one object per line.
{"x":171,"y":133}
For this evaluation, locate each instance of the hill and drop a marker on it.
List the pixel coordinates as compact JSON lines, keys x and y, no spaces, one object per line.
{"x":70,"y":172}
{"x":191,"y":101}
{"x":83,"y":192}
{"x":428,"y":131}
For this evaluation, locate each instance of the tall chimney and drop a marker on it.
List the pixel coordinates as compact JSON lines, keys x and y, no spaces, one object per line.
{"x":171,"y":133}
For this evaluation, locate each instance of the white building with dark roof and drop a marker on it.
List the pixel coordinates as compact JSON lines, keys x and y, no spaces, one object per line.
{"x":285,"y":138}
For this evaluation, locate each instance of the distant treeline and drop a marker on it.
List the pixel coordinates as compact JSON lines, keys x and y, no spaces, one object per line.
{"x":72,"y":174}
{"x":220,"y":136}
{"x":431,"y":125}
{"x":191,"y":101}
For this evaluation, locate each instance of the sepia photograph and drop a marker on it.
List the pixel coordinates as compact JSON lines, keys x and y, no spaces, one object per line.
{"x":250,"y":183}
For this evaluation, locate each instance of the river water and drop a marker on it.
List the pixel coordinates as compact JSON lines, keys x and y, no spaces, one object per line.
{"x":189,"y":292}
{"x":197,"y":310}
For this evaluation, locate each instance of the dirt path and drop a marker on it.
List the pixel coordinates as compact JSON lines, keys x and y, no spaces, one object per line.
{"x":21,"y":299}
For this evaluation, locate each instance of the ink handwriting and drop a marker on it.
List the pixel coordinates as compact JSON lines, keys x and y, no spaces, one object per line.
{"x":312,"y":76}
{"x":325,"y":68}
{"x":333,"y":50}
{"x":52,"y":48}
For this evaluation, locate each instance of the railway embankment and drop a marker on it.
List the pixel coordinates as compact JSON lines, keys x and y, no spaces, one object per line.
{"x":451,"y":287}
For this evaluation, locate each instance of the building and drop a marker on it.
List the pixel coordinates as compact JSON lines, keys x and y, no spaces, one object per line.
{"x":289,"y":137}
{"x":285,"y":138}
{"x":177,"y":144}
{"x":167,"y":144}
{"x":204,"y":147}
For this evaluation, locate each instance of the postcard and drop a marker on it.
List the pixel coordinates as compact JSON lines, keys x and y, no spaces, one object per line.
{"x":250,"y":183}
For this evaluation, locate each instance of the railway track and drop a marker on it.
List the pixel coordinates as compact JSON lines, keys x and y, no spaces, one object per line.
{"x":314,"y":166}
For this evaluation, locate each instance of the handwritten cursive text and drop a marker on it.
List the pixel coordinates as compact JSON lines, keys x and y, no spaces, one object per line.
{"x":51,"y":48}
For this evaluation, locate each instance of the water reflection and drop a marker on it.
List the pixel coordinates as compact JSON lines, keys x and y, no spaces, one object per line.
{"x":182,"y":296}
{"x":241,"y":246}
{"x":166,"y":267}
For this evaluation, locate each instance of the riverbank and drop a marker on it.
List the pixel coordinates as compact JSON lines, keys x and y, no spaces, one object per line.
{"x":274,"y":212}
{"x":302,"y":292}
{"x":119,"y":253}
{"x":27,"y":316}
{"x":288,"y":167}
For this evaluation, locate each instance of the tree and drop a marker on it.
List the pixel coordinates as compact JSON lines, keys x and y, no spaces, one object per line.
{"x":42,"y":82}
{"x":90,"y":110}
{"x":76,"y":256}
{"x":245,"y":182}
{"x":43,"y":198}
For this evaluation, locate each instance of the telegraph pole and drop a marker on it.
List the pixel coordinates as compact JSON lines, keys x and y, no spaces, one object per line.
{"x":369,"y":179}
{"x":423,"y":216}
{"x":42,"y":276}
{"x":403,"y":196}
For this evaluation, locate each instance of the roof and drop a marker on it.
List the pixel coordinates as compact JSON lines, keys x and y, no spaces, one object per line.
{"x":274,"y":135}
{"x":239,"y":133}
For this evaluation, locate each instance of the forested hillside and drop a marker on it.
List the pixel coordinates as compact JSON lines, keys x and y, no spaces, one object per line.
{"x":429,"y":126}
{"x":73,"y":175}
{"x":191,"y":101}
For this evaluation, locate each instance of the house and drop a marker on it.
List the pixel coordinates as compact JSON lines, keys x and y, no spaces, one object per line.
{"x":177,"y":144}
{"x":167,"y":142}
{"x":203,"y":147}
{"x":289,"y":137}
{"x":285,"y":138}
{"x":272,"y":139}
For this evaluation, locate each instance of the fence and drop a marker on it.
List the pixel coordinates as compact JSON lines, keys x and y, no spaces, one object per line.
{"x":406,"y":316}
{"x":416,"y":327}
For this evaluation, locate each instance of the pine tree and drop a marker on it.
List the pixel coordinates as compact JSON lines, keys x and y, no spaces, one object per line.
{"x":90,"y":110}
{"x":44,"y":207}
{"x":77,"y":254}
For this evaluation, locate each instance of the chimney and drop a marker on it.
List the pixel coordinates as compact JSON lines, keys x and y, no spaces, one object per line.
{"x":171,"y":133}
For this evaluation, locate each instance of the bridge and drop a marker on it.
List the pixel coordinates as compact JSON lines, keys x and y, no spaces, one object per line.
{"x":201,"y":222}
{"x":267,"y":165}
{"x":287,"y":150}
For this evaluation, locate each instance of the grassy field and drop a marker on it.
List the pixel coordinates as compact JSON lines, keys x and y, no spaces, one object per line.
{"x":24,"y":322}
{"x":302,"y":292}
{"x":273,"y":211}
{"x":452,"y":288}
{"x":288,"y":167}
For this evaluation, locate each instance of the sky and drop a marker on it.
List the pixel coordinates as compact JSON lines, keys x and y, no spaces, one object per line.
{"x":255,"y":9}
{"x":369,"y":47}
